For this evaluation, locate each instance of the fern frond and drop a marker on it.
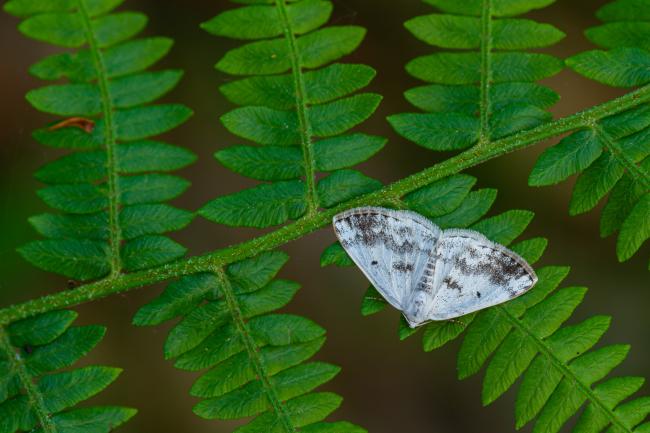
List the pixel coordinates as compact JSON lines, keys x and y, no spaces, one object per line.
{"x":488,"y":90}
{"x":35,"y":395}
{"x":256,"y":359}
{"x":612,"y":155}
{"x":111,"y":188}
{"x":296,"y":108}
{"x":525,"y":338}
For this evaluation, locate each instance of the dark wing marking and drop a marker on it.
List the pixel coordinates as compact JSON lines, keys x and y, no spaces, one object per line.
{"x":390,"y":247}
{"x":473,"y":273}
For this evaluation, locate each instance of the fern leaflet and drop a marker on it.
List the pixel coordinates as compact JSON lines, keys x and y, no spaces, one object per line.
{"x":256,"y":358}
{"x":109,"y":190}
{"x":35,"y":396}
{"x":299,"y":118}
{"x":612,"y":156}
{"x":478,"y":96}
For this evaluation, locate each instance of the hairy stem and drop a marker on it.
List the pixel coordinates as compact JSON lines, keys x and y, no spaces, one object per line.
{"x":110,"y":143}
{"x":307,"y":224}
{"x":638,"y":173}
{"x":33,"y":394}
{"x":564,"y":369}
{"x":253,"y":352}
{"x":486,"y":72}
{"x":301,"y":109}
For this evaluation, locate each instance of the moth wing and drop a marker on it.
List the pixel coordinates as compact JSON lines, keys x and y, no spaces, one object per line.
{"x":473,"y":273}
{"x":390,"y":247}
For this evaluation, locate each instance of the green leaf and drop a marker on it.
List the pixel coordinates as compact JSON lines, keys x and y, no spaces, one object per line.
{"x":322,"y":85}
{"x":465,"y":99}
{"x":335,"y":255}
{"x":438,"y":131}
{"x":302,"y":411}
{"x":506,"y":227}
{"x":251,"y":399}
{"x":594,"y":183}
{"x":207,"y":324}
{"x":135,"y":157}
{"x":150,"y":219}
{"x":449,"y":31}
{"x":499,"y":7}
{"x":624,"y":10}
{"x":346,"y":150}
{"x":64,"y":390}
{"x":256,"y":272}
{"x":67,"y":99}
{"x":41,"y":329}
{"x":542,"y":376}
{"x":238,"y":370}
{"x":464,"y":68}
{"x":627,"y":122}
{"x":515,"y":117}
{"x":78,"y":167}
{"x":621,"y":201}
{"x":441,"y":197}
{"x":149,"y":251}
{"x":90,"y":226}
{"x":179,"y":298}
{"x":92,"y":419}
{"x":274,"y":330}
{"x":336,"y":117}
{"x":261,"y":206}
{"x":142,"y":88}
{"x":263,"y":125}
{"x":25,"y":8}
{"x":437,"y":334}
{"x":620,"y":67}
{"x":63,"y":29}
{"x":372,"y":302}
{"x":123,"y":59}
{"x":621,"y":34}
{"x":143,"y":122}
{"x":272,"y":57}
{"x":572,"y":155}
{"x":343,"y":185}
{"x":257,"y":22}
{"x":475,"y":205}
{"x":69,"y":138}
{"x":79,"y":258}
{"x":65,"y":350}
{"x":115,"y":28}
{"x":150,"y":188}
{"x":146,"y":155}
{"x":482,"y":338}
{"x":81,"y":198}
{"x":635,"y":229}
{"x":531,"y":249}
{"x":263,"y":163}
{"x":68,"y":29}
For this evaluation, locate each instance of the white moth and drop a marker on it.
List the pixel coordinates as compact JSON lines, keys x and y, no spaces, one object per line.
{"x":426,"y":273}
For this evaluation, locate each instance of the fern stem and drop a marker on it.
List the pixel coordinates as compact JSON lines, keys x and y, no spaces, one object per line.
{"x":301,"y":109}
{"x":386,"y":195}
{"x":33,"y":394}
{"x":110,"y":142}
{"x":486,"y":72}
{"x":253,"y":352}
{"x":637,"y":172}
{"x":565,"y":370}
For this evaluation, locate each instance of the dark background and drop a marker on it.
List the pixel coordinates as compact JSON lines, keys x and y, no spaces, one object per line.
{"x":389,"y":386}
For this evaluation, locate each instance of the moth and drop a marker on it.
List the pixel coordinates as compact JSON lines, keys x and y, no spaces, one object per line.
{"x":425,"y":272}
